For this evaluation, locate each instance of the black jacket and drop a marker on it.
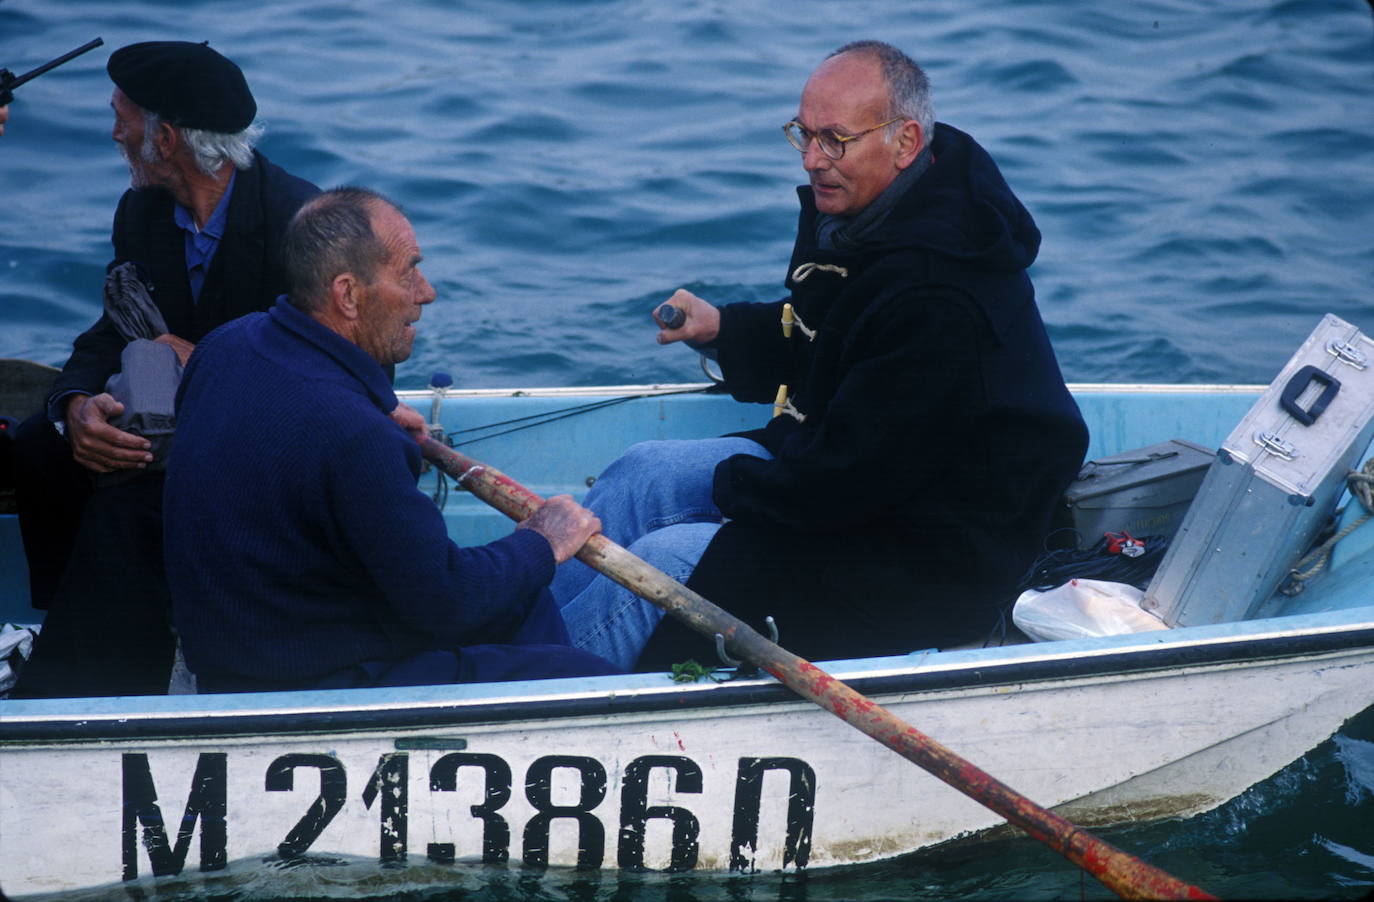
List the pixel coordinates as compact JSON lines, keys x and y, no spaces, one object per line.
{"x":246,"y":274}
{"x":938,"y":433}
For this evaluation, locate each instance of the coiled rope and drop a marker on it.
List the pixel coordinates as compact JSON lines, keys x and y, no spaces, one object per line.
{"x":1361,"y":484}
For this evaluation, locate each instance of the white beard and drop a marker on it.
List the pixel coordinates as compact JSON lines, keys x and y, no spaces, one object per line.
{"x":139,"y":174}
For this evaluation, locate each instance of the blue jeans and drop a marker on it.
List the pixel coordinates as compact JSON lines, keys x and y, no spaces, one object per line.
{"x":655,"y":500}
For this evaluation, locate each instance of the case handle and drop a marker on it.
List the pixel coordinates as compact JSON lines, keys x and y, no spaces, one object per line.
{"x":1301,"y":379}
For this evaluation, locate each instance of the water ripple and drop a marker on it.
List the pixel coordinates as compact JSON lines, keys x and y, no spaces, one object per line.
{"x":1199,"y":172}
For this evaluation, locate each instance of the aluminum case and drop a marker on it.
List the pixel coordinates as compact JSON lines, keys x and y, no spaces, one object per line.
{"x":1275,"y":482}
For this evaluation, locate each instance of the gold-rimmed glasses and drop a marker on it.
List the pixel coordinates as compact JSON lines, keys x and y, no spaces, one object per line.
{"x":832,"y":142}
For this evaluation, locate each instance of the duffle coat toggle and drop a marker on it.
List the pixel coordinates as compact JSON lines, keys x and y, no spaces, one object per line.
{"x":782,"y":404}
{"x":790,"y":319}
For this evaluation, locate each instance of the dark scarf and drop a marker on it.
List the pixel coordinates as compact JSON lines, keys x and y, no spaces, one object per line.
{"x":845,"y":233}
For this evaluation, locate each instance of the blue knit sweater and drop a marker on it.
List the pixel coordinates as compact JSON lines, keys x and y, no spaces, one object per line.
{"x":297,"y":541}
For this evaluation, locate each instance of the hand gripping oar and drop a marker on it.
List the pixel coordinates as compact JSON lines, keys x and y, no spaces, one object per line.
{"x":1124,"y":874}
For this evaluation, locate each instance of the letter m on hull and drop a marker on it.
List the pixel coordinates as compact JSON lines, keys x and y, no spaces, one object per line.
{"x":205,"y":803}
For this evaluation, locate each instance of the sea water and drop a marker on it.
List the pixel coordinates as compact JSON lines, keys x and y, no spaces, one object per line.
{"x":1203,"y":175}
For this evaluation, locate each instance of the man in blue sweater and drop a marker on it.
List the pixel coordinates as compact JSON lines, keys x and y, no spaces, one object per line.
{"x":300,"y":553}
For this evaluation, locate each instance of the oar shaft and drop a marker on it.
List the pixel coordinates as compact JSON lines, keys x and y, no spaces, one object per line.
{"x":1123,"y":873}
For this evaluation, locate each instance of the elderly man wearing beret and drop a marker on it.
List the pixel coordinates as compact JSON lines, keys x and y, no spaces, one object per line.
{"x":201,"y":233}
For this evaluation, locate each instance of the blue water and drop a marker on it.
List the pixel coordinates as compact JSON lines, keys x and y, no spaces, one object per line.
{"x":1203,"y":174}
{"x":1201,"y":171}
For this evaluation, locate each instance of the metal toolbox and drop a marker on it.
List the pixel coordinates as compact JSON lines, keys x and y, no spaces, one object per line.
{"x":1144,"y":492}
{"x":1274,"y":483}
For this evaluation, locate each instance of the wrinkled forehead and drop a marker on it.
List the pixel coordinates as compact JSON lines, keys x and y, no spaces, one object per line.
{"x":394,"y":230}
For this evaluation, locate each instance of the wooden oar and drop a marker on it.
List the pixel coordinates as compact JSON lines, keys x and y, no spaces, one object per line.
{"x":1124,"y":874}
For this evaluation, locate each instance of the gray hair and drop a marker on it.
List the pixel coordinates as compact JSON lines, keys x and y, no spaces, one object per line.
{"x":908,"y":88}
{"x":332,"y":234}
{"x":211,"y":150}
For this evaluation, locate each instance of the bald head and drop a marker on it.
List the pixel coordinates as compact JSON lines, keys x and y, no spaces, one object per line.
{"x":908,"y":88}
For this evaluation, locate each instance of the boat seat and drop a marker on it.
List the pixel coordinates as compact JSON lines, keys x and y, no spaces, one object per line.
{"x":24,"y":386}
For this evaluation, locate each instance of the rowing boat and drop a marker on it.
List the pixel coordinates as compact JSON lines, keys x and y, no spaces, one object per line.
{"x":417,"y":785}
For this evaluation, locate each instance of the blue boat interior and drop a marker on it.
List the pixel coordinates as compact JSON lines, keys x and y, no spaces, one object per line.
{"x":558,"y":443}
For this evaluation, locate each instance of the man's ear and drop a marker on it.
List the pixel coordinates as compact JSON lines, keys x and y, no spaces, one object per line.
{"x":910,"y":141}
{"x":345,"y":294}
{"x":166,"y":140}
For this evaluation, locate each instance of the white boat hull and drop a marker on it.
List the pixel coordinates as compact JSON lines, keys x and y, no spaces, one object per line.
{"x":706,"y":778}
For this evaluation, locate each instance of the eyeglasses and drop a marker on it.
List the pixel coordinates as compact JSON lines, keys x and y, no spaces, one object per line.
{"x":832,"y":142}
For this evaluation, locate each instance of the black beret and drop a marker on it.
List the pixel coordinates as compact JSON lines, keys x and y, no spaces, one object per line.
{"x":186,"y":84}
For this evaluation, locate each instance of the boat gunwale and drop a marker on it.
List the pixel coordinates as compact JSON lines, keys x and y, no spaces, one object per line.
{"x":670,"y":388}
{"x":928,"y":672}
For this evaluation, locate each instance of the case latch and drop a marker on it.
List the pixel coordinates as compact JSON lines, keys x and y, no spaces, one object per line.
{"x":1347,"y":353}
{"x":1275,"y":445}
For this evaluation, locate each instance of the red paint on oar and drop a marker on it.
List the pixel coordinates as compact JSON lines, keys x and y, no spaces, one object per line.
{"x":1124,"y":874}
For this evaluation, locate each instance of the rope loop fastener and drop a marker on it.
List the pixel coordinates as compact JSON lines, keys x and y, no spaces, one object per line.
{"x":790,"y":319}
{"x":801,"y":273}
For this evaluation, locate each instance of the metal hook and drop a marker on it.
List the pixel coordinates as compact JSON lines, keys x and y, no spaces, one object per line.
{"x":720,"y":653}
{"x":743,"y":669}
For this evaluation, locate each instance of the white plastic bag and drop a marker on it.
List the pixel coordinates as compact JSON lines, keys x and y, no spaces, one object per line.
{"x":16,"y":642}
{"x":1081,"y":609}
